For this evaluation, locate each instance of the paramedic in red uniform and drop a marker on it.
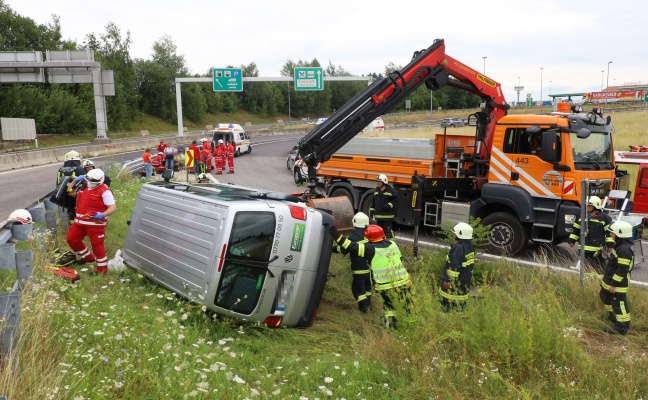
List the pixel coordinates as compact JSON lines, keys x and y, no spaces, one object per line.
{"x":94,"y":203}
{"x":195,"y":150}
{"x":219,"y":156}
{"x":230,"y":157}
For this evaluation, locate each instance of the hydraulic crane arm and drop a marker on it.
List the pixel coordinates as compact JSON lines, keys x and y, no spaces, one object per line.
{"x":431,"y":67}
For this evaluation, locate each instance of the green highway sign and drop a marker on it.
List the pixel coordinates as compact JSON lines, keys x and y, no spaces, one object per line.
{"x":646,"y":95}
{"x":309,"y":78}
{"x":228,"y":80}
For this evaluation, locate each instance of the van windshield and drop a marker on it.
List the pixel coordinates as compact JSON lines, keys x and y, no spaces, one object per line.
{"x":250,"y":242}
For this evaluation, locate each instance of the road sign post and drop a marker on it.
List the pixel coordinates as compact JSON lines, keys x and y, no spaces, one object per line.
{"x":309,"y":78}
{"x":228,"y":80}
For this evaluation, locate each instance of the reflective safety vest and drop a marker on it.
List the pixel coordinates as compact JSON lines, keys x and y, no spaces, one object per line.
{"x":387,"y":269}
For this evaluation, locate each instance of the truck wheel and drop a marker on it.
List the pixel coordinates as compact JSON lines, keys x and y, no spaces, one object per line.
{"x":341,"y":192}
{"x":297,"y":176}
{"x":508,"y":235}
{"x":366,"y":204}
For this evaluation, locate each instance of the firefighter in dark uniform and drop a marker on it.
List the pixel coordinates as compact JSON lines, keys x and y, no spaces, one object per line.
{"x":384,"y":205}
{"x":361,"y":283}
{"x":390,"y":277}
{"x":616,"y":278}
{"x":597,"y":225}
{"x":459,"y":265}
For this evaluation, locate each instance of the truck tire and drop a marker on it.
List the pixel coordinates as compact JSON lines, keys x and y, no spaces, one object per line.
{"x":341,"y":192}
{"x":366,"y":204}
{"x":508,"y":235}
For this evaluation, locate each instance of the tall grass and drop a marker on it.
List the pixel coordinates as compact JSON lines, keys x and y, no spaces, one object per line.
{"x":526,"y":333}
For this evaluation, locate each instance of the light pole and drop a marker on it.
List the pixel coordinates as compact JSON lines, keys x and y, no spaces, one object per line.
{"x":614,"y":82}
{"x":550,"y":87}
{"x":607,"y":84}
{"x":541,"y":68}
{"x":602,"y":71}
{"x":484,"y":64}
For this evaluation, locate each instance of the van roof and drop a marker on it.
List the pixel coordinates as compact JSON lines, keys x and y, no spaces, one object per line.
{"x":228,"y":127}
{"x":224,"y":192}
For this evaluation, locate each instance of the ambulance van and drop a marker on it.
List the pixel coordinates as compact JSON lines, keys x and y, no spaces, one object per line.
{"x":233,"y":133}
{"x":261,"y":257}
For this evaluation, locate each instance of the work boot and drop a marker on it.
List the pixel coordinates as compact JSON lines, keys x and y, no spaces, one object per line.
{"x":615,"y":330}
{"x":102,"y":270}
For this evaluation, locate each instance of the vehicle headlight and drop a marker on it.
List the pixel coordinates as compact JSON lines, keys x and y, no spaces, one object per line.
{"x":570,"y":218}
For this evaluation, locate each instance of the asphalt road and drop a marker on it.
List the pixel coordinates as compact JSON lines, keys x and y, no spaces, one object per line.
{"x":264,"y":168}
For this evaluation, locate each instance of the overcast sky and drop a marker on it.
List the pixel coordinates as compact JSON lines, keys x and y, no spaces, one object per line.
{"x":571,"y":40}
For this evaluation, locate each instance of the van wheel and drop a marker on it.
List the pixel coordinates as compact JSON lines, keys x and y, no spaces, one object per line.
{"x":249,"y":150}
{"x":508,"y":235}
{"x":297,"y":176}
{"x":238,"y":153}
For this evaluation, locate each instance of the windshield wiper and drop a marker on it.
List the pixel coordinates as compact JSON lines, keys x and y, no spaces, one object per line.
{"x":251,"y":263}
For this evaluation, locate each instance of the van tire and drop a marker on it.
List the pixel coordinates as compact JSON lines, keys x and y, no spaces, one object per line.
{"x":237,"y":153}
{"x":249,"y":150}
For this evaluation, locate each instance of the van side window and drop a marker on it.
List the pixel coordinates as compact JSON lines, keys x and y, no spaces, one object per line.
{"x":241,"y":280}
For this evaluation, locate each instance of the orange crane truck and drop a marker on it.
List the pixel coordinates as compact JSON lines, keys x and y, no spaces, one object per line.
{"x":520,"y":174}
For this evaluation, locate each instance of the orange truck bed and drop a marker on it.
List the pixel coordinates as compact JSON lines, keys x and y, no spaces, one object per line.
{"x":399,"y":159}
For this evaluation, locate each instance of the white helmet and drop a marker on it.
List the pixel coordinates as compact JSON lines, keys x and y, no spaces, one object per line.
{"x":88,"y":163}
{"x":360,"y":220}
{"x":72,"y":156}
{"x":622,"y":229}
{"x":21,"y":215}
{"x":220,"y":141}
{"x":594,"y":201}
{"x":95,"y":177}
{"x":203,"y":176}
{"x":463,"y":230}
{"x":382,"y":178}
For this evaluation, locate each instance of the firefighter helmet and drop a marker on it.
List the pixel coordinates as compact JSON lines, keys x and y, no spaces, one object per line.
{"x":382,"y":178}
{"x":360,"y":220}
{"x":95,"y":177}
{"x":463,"y":230}
{"x":374,"y":233}
{"x":88,"y":163}
{"x":621,"y":229}
{"x":202,"y":177}
{"x":21,"y":215}
{"x":220,"y":141}
{"x":72,"y":155}
{"x":594,"y":201}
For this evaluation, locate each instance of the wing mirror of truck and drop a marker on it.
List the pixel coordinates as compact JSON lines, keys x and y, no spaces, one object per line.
{"x":550,"y":146}
{"x":583,"y":133}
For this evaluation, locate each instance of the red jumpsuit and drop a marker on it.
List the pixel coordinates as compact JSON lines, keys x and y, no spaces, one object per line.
{"x":219,"y":156}
{"x":90,"y":202}
{"x":230,"y":157}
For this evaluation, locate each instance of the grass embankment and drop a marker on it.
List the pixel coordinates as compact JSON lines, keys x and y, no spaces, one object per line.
{"x":531,"y":334}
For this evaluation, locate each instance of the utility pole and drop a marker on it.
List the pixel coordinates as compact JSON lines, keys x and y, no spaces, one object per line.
{"x":602,"y":71}
{"x":607,"y":84}
{"x":541,"y":68}
{"x":484,"y":64}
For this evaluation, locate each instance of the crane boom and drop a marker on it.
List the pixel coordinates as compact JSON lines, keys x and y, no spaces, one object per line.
{"x":431,"y":67}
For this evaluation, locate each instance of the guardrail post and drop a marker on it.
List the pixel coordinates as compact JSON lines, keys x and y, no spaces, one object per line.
{"x":24,"y":267}
{"x":9,"y":328}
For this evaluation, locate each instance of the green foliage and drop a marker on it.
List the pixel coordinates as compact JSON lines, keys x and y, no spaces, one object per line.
{"x":480,"y":233}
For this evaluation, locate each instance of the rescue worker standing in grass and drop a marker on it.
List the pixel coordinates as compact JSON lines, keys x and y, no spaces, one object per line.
{"x":361,"y":283}
{"x":94,"y":204}
{"x":384,"y":205}
{"x":597,"y":225}
{"x":459,"y":265}
{"x":390,"y":277}
{"x":616,"y":278}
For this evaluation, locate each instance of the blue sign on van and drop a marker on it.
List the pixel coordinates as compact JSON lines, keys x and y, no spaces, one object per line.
{"x":297,"y":237}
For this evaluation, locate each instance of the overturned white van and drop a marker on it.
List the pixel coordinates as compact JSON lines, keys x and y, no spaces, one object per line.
{"x":257,"y":256}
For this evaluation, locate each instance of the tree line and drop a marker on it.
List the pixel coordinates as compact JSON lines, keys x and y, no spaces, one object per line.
{"x":147,"y":86}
